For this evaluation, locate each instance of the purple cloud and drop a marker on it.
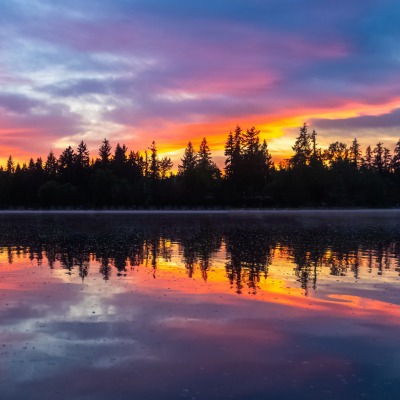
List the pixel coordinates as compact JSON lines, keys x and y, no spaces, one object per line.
{"x":128,"y":66}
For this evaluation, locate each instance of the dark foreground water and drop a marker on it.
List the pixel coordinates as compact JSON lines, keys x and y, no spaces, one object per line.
{"x":284,"y":305}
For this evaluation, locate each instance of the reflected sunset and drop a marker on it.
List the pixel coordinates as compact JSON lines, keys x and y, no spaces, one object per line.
{"x":199,"y":200}
{"x":134,"y":298}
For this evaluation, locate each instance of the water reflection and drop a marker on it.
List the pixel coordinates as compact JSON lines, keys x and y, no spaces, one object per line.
{"x":203,"y":247}
{"x":167,"y":307}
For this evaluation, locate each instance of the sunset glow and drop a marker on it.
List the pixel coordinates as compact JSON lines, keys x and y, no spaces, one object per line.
{"x":137,"y":71}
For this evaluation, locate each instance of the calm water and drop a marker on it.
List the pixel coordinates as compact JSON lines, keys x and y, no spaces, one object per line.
{"x":284,"y":305}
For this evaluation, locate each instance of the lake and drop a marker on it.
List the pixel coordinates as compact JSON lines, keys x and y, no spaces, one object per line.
{"x":200,"y":305}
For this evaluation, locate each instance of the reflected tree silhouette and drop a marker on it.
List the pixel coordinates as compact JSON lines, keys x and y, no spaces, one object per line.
{"x":249,"y":255}
{"x":247,"y":251}
{"x":198,"y":248}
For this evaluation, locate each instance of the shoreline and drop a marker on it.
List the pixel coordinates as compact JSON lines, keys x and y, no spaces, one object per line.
{"x":227,"y":212}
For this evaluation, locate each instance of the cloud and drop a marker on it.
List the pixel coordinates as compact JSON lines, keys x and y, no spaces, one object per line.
{"x":30,"y":128}
{"x":132,"y":68}
{"x":76,"y":88}
{"x":17,"y":103}
{"x":389,"y":120}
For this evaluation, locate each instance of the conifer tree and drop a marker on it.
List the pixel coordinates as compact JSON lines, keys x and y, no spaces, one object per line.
{"x":165,"y":166}
{"x":82,"y":156}
{"x":336,"y":153}
{"x":387,"y":160}
{"x":154,"y":165}
{"x":105,"y":153}
{"x":207,"y":169}
{"x":66,"y":160}
{"x":377,"y":161}
{"x":66,"y":163}
{"x":313,"y":139}
{"x":51,"y":165}
{"x":355,"y":153}
{"x":367,"y":160}
{"x":10,"y":165}
{"x":229,"y":151}
{"x":31,"y":165}
{"x":188,"y":161}
{"x":267,"y":162}
{"x":396,"y":158}
{"x":204,"y":154}
{"x":233,"y":152}
{"x":251,"y":142}
{"x":302,"y":148}
{"x":39,"y":164}
{"x":119,"y":158}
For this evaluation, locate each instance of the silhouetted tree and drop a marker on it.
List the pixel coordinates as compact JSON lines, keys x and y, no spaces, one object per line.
{"x":10,"y":165}
{"x":188,"y":162}
{"x":206,"y":168}
{"x":154,"y":165}
{"x":165,"y":167}
{"x":336,"y":153}
{"x":302,"y":148}
{"x":396,"y":158}
{"x":120,"y":155}
{"x":105,"y":153}
{"x":377,"y":161}
{"x":233,"y":153}
{"x":51,"y":166}
{"x":387,"y":160}
{"x":355,"y":153}
{"x":312,"y":177}
{"x":66,"y":160}
{"x":367,"y":160}
{"x":82,"y":156}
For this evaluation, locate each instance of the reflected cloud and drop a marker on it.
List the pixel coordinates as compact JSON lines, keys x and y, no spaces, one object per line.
{"x":166,"y":307}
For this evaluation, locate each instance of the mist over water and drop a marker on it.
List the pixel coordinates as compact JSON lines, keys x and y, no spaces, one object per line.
{"x":200,"y":305}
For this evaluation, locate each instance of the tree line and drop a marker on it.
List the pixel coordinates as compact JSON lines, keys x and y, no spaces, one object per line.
{"x":341,"y":175}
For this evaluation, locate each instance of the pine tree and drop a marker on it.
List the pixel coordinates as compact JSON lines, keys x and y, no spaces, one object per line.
{"x":154,"y":165}
{"x":251,"y":142}
{"x":313,"y":138}
{"x":387,"y":160}
{"x":31,"y":166}
{"x":302,"y":148}
{"x":165,"y":167}
{"x":39,"y":165}
{"x":355,"y":153}
{"x":229,"y":151}
{"x":120,"y":155}
{"x":233,"y":152}
{"x":141,"y":163}
{"x":336,"y":153}
{"x":135,"y":162}
{"x":377,"y":161}
{"x":367,"y":160}
{"x":105,"y":153}
{"x":10,"y":165}
{"x":206,"y":168}
{"x":66,"y":163}
{"x":51,"y":165}
{"x":188,"y":161}
{"x":396,"y":158}
{"x":267,"y":162}
{"x":82,"y":156}
{"x":204,"y":155}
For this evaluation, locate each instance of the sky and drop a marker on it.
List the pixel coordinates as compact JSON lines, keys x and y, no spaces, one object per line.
{"x":134,"y":71}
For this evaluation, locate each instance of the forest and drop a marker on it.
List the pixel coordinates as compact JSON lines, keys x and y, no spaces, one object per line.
{"x":341,"y":175}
